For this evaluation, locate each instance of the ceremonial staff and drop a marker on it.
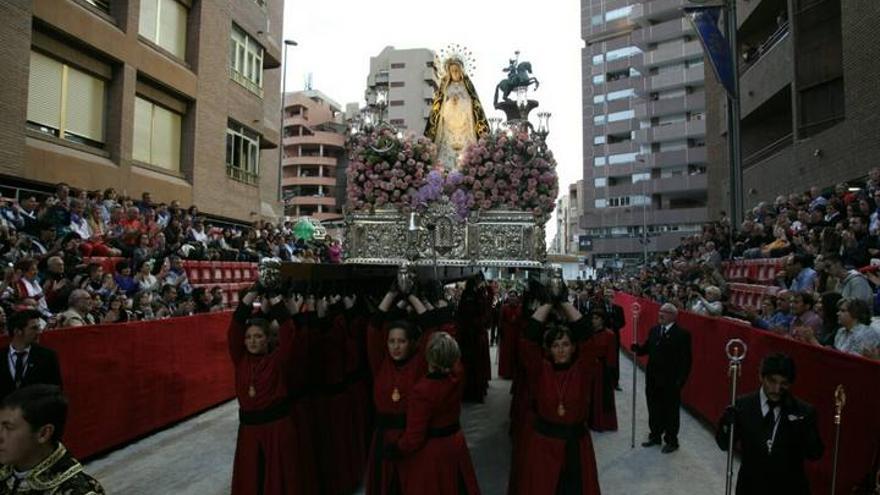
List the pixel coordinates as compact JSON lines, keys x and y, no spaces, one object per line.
{"x":636,"y":311}
{"x":839,"y":402}
{"x":736,"y":352}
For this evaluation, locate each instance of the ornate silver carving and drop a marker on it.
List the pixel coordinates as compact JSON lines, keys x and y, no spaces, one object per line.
{"x":488,"y":238}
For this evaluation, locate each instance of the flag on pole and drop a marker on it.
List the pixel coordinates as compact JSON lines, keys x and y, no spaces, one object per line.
{"x":705,"y":21}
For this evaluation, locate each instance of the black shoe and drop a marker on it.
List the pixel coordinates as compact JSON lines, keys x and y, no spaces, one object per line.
{"x":651,"y":442}
{"x":668,"y":448}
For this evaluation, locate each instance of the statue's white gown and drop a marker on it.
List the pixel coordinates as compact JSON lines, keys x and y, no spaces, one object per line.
{"x":456,"y":125}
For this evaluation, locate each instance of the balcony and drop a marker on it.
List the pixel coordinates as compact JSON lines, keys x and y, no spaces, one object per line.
{"x":308,"y":181}
{"x":681,"y":183}
{"x":672,"y":132}
{"x":633,"y":215}
{"x":620,"y":127}
{"x":767,"y":75}
{"x":331,"y":139}
{"x":657,"y":11}
{"x":312,"y":200}
{"x":671,"y":106}
{"x":296,"y":120}
{"x":679,"y":52}
{"x":594,"y":33}
{"x":664,"y":31}
{"x":677,"y":158}
{"x":675,"y":79}
{"x":327,"y":161}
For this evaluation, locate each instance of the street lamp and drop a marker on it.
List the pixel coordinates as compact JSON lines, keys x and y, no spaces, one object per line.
{"x":287,"y":43}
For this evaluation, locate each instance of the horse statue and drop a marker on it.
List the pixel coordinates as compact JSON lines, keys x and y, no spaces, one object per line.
{"x":519,"y":74}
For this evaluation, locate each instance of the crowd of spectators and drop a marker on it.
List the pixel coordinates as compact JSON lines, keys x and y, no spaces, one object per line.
{"x":828,"y":289}
{"x":49,"y":249}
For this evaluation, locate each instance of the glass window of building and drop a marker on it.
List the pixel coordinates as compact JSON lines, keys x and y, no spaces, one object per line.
{"x":616,"y":116}
{"x":601,"y":203}
{"x":246,"y":61}
{"x":626,"y":51}
{"x":600,"y":182}
{"x":599,"y":119}
{"x":639,"y":200}
{"x":598,"y":59}
{"x":156,"y":135}
{"x":242,"y":153}
{"x":65,"y":102}
{"x":598,"y":98}
{"x":598,"y":161}
{"x":619,"y":95}
{"x":164,"y":23}
{"x":618,"y":13}
{"x":641,"y":176}
{"x":599,"y":140}
{"x":599,"y":79}
{"x":622,"y":158}
{"x":596,"y":20}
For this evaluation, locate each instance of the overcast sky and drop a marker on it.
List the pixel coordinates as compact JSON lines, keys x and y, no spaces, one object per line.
{"x":337,"y":38}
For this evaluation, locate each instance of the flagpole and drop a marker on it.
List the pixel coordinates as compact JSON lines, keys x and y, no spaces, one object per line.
{"x":733,"y":121}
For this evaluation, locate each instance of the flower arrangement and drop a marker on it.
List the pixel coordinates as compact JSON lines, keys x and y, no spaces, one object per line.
{"x":387,"y":169}
{"x":501,"y":170}
{"x":507,"y":170}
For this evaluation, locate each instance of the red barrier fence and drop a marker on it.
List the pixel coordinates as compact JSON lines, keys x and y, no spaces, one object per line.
{"x":819,"y":371}
{"x":129,"y":379}
{"x":763,"y":271}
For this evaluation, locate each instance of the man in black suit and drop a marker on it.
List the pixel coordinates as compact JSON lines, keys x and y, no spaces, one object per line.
{"x":616,"y":321}
{"x":776,"y":432}
{"x":669,"y":363}
{"x":24,"y":361}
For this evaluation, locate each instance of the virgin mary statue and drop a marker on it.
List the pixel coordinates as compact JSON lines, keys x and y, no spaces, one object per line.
{"x":457,"y":119}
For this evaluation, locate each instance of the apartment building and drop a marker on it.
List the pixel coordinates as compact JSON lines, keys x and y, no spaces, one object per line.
{"x":314,"y":148}
{"x":810,"y":110}
{"x":410,"y":78}
{"x":645,"y":162}
{"x":177,"y":97}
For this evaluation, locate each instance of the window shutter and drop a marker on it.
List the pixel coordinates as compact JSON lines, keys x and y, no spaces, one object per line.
{"x":172,"y":27}
{"x":166,"y":139}
{"x":44,"y":91}
{"x":147,"y":21}
{"x":143,"y":123}
{"x":85,"y":105}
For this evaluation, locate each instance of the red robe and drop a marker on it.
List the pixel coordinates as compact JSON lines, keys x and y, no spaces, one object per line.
{"x":436,"y":460}
{"x":473,"y":318}
{"x":510,"y":333}
{"x":265,"y":445}
{"x":392,"y":385}
{"x":561,"y":399}
{"x":603,"y":414}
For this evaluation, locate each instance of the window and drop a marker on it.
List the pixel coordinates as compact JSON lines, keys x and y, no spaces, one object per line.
{"x":600,"y":182}
{"x":616,"y":116}
{"x":164,"y":23}
{"x":242,"y":153}
{"x":397,"y":122}
{"x":618,"y":13}
{"x":398,"y":65}
{"x":627,"y":51}
{"x":619,"y":95}
{"x":246,"y":61}
{"x":596,"y":20}
{"x":601,"y":203}
{"x":598,"y":140}
{"x":598,"y":59}
{"x":101,"y":4}
{"x":156,"y":135}
{"x":599,"y":79}
{"x":65,"y":102}
{"x":622,"y":158}
{"x":397,"y":84}
{"x":599,"y":161}
{"x":598,"y":119}
{"x":618,"y":201}
{"x":640,"y":177}
{"x":598,"y":99}
{"x":395,"y":103}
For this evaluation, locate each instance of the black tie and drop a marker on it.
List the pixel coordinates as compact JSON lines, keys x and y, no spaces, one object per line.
{"x":19,"y":367}
{"x":770,"y":417}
